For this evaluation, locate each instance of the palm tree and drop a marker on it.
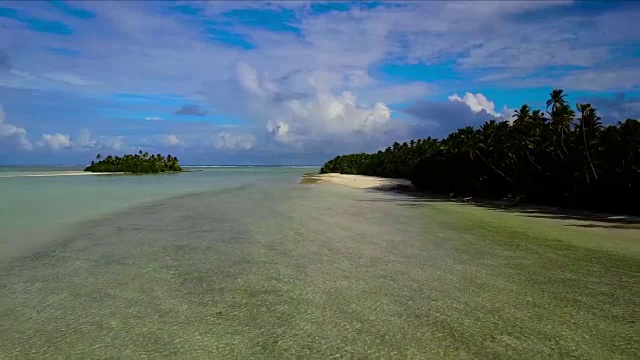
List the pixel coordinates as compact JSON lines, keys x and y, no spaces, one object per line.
{"x":556,"y":100}
{"x":544,"y":158}
{"x":561,"y":116}
{"x":522,"y":115}
{"x":138,"y":163}
{"x":588,"y":116}
{"x":538,"y":117}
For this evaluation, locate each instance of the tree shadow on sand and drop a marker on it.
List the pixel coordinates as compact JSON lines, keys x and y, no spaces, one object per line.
{"x":407,"y":196}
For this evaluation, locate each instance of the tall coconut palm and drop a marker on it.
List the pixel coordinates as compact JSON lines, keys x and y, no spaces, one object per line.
{"x":556,"y":100}
{"x":537,"y":117}
{"x":561,"y":116}
{"x":588,"y":121}
{"x":522,"y":115}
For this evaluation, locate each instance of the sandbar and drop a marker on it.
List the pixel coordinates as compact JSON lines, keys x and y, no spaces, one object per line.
{"x":66,"y":173}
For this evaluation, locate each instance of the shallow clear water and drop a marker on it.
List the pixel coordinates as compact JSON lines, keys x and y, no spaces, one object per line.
{"x":36,"y":203}
{"x":246,"y":263}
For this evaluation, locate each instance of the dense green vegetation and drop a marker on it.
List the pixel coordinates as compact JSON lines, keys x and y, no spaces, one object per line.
{"x":562,"y":157}
{"x":140,"y":163}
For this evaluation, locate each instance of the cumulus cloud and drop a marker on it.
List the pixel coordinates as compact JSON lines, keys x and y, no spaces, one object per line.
{"x":57,"y":141}
{"x":191,"y":109}
{"x":172,"y":140}
{"x":311,"y":109}
{"x":279,"y":129}
{"x":13,"y":133}
{"x":322,"y":86}
{"x":476,"y":102}
{"x":112,"y":142}
{"x":227,"y":141}
{"x":84,"y":140}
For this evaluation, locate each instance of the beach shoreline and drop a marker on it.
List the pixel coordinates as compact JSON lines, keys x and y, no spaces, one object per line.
{"x":357,"y":181}
{"x":405,"y":187}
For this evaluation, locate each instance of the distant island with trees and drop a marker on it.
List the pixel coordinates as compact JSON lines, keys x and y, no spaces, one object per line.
{"x":140,"y":163}
{"x":563,"y":157}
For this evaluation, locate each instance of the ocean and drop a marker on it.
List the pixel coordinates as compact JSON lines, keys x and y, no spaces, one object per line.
{"x":246,"y":263}
{"x":37,"y":202}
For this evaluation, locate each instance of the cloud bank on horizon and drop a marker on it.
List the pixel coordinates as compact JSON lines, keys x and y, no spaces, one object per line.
{"x":294,"y":82}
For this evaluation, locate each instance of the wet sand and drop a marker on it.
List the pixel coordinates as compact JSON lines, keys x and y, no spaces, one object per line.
{"x":323,"y":271}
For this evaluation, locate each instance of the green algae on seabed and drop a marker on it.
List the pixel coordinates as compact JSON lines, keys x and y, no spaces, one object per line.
{"x":324,"y":271}
{"x":309,"y":178}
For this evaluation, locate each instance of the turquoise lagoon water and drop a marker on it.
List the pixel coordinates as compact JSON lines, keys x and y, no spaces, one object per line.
{"x":37,"y":203}
{"x":245,"y":263}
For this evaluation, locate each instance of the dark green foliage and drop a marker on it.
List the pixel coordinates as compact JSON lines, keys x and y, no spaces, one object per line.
{"x":140,"y":163}
{"x":565,"y":159}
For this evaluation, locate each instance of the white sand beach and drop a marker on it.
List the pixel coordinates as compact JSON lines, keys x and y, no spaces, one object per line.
{"x":360,"y":181}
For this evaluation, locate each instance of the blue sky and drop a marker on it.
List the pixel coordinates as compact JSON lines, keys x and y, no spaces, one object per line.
{"x":294,"y":82}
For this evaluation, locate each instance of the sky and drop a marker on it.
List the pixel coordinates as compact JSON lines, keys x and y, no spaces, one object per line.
{"x":295,"y":82}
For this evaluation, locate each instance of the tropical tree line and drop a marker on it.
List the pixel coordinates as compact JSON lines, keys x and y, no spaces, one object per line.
{"x":562,"y":156}
{"x":138,"y":163}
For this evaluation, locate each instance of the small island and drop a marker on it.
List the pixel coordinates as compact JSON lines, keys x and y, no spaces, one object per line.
{"x":140,"y":163}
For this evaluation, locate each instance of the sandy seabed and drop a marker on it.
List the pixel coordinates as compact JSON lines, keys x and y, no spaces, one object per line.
{"x":318,"y":272}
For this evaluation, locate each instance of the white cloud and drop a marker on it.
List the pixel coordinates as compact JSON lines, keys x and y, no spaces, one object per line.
{"x":308,"y":110}
{"x":23,"y":74}
{"x":508,"y":113}
{"x":153,"y":118}
{"x":228,"y":141}
{"x":67,"y":78}
{"x":57,"y":141}
{"x":112,"y":142}
{"x":172,"y":140}
{"x":476,"y":102}
{"x":18,"y":134}
{"x":84,"y":140}
{"x":249,"y":80}
{"x":279,"y":129}
{"x":323,"y":82}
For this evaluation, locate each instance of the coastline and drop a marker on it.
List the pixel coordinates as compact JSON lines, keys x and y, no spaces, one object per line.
{"x":357,"y":181}
{"x":404,"y":186}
